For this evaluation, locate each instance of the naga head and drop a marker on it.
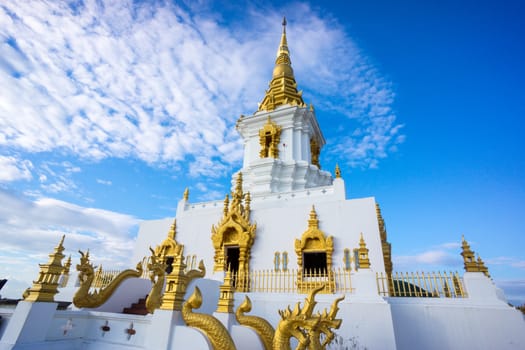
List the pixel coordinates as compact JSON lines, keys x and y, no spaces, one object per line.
{"x":296,"y":322}
{"x":194,"y":301}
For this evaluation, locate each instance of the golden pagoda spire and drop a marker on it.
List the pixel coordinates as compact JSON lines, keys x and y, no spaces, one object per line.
{"x":337,"y":171}
{"x":469,"y":259}
{"x":482,"y":267}
{"x":283,"y":88}
{"x":186,"y":194}
{"x":226,"y":295}
{"x":45,"y":288}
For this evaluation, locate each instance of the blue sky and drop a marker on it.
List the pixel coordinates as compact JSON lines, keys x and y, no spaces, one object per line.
{"x":108,"y":111}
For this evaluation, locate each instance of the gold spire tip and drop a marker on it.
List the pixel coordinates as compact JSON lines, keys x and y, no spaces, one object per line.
{"x":284,"y":24}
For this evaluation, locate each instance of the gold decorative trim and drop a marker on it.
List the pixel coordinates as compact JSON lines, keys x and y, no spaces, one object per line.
{"x":385,"y":245}
{"x":314,"y":240}
{"x":263,"y":328}
{"x":269,"y":138}
{"x":471,"y":263}
{"x":212,"y":328}
{"x":234,"y":230}
{"x":315,"y":151}
{"x":83,"y":298}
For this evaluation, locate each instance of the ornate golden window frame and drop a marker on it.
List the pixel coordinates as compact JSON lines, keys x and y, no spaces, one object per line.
{"x":269,"y":138}
{"x":314,"y":240}
{"x":235,"y":230}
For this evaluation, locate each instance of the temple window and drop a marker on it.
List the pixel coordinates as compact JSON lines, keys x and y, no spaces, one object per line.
{"x":314,"y":257}
{"x":285,"y":261}
{"x":315,"y":150}
{"x":347,"y":259}
{"x":269,"y":138}
{"x":276,"y":261}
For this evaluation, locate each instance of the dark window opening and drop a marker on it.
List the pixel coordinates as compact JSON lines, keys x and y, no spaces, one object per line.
{"x":232,"y":262}
{"x":232,"y":259}
{"x":267,"y":143}
{"x":314,"y":263}
{"x":169,"y":264}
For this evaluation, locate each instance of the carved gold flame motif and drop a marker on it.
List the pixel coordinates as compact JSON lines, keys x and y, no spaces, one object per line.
{"x":307,"y":328}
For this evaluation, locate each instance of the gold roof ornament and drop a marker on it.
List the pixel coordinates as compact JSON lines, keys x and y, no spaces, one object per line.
{"x":283,"y":88}
{"x":46,"y":286}
{"x":387,"y":247}
{"x":364,"y":261}
{"x":482,"y":267}
{"x":226,"y":294}
{"x":186,"y":194}
{"x":469,"y":259}
{"x":337,"y":171}
{"x":169,"y":247}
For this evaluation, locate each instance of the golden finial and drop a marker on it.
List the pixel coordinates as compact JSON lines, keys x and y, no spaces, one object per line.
{"x":226,"y":205}
{"x":238,"y":187}
{"x":364,"y":262}
{"x":469,"y":259}
{"x":173,"y":229}
{"x":46,"y":286}
{"x":482,"y":267}
{"x":226,"y":293}
{"x":283,"y":88}
{"x":186,"y":194}
{"x":313,"y":221}
{"x":337,"y":172}
{"x":67,"y":266}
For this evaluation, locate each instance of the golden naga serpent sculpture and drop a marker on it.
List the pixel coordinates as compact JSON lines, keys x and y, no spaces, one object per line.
{"x":214,"y":330}
{"x":157,"y":275}
{"x":262,"y":327}
{"x":305,"y":327}
{"x":83,"y":298}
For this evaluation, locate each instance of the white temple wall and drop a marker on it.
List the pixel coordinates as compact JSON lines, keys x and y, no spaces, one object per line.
{"x":280,"y":220}
{"x":446,"y":323}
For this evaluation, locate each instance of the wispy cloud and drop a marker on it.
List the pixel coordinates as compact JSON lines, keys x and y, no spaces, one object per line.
{"x":153,"y":81}
{"x":14,"y":169}
{"x":104,"y":182}
{"x":445,"y":255}
{"x":508,"y":261}
{"x":32,"y":227}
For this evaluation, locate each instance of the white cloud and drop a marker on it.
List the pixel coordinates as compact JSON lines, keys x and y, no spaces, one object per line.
{"x":508,"y":261}
{"x":154,"y":82}
{"x":104,"y":182}
{"x":445,"y":255}
{"x":14,"y":169}
{"x":31,"y":228}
